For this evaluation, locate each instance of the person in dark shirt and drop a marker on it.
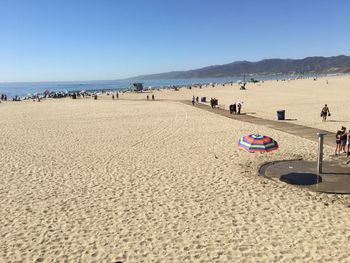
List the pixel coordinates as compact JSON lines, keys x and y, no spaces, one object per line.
{"x":343,"y":139}
{"x":239,"y":107}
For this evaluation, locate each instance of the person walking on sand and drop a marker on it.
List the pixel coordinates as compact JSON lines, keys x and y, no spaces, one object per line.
{"x":147,"y":97}
{"x":193,"y":100}
{"x":152,"y":97}
{"x":324,"y":112}
{"x":337,"y":141}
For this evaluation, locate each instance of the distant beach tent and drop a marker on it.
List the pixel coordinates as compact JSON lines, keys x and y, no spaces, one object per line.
{"x":257,"y":143}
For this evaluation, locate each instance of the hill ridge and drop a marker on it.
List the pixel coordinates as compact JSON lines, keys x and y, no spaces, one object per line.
{"x":315,"y":64}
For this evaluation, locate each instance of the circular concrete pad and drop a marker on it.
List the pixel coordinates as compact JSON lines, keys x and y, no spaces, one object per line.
{"x":334,"y":178}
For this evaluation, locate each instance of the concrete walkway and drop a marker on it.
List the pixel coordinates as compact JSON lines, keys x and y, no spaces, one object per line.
{"x":285,"y":126}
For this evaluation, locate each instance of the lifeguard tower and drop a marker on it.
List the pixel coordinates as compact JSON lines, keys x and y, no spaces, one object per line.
{"x":137,"y":87}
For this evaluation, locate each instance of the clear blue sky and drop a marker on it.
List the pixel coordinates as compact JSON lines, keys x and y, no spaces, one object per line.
{"x":47,"y":40}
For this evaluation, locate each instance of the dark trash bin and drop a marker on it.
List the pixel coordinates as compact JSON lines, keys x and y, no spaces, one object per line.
{"x":203,"y":99}
{"x":281,"y":115}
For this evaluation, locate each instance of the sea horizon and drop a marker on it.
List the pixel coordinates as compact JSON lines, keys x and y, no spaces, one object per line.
{"x":22,"y":89}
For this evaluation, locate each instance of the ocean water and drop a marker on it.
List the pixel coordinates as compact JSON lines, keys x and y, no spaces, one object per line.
{"x":25,"y":88}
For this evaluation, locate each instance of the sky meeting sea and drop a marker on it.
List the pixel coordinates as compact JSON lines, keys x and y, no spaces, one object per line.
{"x":23,"y":89}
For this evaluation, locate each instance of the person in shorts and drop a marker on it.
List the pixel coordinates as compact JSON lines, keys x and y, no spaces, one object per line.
{"x":343,"y":139}
{"x":337,"y":141}
{"x":348,"y":143}
{"x":325,"y":112}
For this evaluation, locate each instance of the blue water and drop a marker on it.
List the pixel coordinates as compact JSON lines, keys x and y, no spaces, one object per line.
{"x":25,"y":88}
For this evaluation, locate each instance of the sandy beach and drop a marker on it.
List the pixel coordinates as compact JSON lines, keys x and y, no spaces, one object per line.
{"x":160,"y":181}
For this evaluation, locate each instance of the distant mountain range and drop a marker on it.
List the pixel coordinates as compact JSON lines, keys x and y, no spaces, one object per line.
{"x":309,"y":65}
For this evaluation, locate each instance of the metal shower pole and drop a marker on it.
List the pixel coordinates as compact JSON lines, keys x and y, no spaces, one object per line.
{"x":320,"y":152}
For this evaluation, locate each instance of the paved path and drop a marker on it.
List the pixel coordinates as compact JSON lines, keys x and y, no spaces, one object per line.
{"x":285,"y":126}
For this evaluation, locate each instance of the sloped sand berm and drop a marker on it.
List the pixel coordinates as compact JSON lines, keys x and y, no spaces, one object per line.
{"x":145,"y":181}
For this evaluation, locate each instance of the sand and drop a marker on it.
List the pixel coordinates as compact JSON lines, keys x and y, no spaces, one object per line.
{"x":131,"y":180}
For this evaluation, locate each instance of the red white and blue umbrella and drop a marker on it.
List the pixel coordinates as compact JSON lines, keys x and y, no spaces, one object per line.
{"x":257,"y":143}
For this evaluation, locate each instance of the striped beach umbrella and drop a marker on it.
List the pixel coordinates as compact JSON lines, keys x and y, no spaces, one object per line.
{"x":257,"y":143}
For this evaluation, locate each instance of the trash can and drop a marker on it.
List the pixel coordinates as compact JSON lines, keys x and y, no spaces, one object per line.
{"x":203,"y":99}
{"x":281,"y":115}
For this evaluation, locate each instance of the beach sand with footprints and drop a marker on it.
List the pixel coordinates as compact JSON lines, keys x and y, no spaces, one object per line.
{"x":133,"y":180}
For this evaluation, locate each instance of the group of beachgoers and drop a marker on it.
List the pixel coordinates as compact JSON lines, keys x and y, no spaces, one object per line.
{"x":116,"y":95}
{"x":3,"y":97}
{"x":214,"y":103}
{"x":147,"y":97}
{"x":342,"y":139}
{"x":235,"y":108}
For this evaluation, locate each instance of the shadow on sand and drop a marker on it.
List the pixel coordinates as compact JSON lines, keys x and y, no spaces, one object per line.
{"x":300,"y":178}
{"x":336,"y":121}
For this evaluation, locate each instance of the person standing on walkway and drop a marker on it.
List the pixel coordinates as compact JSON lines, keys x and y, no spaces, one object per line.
{"x":337,"y":141}
{"x":234,"y":108}
{"x":239,"y":107}
{"x":348,"y":143}
{"x":343,"y":139}
{"x":325,"y":112}
{"x":231,"y":108}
